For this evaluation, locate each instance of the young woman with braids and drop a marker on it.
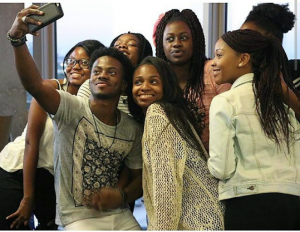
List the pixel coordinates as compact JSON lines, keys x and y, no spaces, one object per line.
{"x":275,"y":19}
{"x":179,"y":39}
{"x":179,"y":192}
{"x":257,"y":153}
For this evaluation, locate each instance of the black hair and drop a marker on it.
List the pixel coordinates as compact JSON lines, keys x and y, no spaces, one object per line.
{"x":127,"y":70}
{"x":269,"y":62}
{"x":145,"y":47}
{"x":118,"y":55}
{"x":195,"y":84}
{"x":172,"y":101}
{"x":89,"y":46}
{"x":274,"y":19}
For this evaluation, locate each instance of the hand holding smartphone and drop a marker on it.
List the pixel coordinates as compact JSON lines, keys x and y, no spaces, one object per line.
{"x":52,"y":12}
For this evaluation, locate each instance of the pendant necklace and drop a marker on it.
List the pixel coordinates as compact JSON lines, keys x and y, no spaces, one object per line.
{"x":114,"y":132}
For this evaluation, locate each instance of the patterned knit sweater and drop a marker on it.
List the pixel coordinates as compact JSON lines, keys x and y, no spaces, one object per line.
{"x":179,"y":192}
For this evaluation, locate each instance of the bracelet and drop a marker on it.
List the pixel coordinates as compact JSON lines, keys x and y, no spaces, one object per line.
{"x":123,"y":194}
{"x":16,"y":42}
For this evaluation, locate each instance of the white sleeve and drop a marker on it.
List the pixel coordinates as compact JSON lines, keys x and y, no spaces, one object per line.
{"x":222,"y":161}
{"x":84,"y":90}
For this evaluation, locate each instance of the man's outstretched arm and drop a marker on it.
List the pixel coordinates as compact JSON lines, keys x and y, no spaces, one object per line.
{"x":28,"y":72}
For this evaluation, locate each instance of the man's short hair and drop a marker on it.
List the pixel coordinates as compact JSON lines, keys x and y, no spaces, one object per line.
{"x":118,"y":55}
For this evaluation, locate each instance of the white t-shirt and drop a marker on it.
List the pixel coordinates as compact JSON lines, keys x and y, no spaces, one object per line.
{"x":83,"y":161}
{"x":12,"y":155}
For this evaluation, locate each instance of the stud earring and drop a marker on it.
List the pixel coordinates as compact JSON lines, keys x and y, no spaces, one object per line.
{"x":240,"y":65}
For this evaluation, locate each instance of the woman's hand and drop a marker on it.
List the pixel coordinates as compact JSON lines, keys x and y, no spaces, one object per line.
{"x":23,"y":213}
{"x":20,"y":27}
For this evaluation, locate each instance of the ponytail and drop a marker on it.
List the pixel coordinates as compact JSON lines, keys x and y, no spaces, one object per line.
{"x":269,"y":63}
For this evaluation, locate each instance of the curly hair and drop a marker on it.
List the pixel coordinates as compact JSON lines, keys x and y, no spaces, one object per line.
{"x":118,"y":55}
{"x":273,"y":18}
{"x":127,"y":70}
{"x":269,"y":62}
{"x":145,"y":49}
{"x":195,"y":83}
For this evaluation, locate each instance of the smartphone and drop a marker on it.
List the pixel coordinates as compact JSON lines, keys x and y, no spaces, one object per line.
{"x":52,"y":12}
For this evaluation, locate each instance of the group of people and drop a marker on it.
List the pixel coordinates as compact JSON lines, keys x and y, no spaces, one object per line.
{"x":211,"y":144}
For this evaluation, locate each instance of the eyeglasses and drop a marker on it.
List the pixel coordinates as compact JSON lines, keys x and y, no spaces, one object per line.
{"x":83,"y":63}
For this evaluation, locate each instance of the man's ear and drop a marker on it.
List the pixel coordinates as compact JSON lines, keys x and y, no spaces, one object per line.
{"x":244,"y":59}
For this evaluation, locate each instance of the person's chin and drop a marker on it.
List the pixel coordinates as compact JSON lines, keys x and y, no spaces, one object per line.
{"x":178,"y":61}
{"x":144,"y":104}
{"x":75,"y":82}
{"x":219,"y":81}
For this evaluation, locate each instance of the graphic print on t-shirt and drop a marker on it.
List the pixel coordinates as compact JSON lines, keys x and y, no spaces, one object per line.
{"x":94,"y":165}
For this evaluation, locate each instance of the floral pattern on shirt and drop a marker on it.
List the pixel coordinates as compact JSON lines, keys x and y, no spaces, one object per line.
{"x":100,"y":167}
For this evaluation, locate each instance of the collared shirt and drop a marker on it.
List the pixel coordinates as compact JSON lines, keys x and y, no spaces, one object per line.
{"x":244,"y":159}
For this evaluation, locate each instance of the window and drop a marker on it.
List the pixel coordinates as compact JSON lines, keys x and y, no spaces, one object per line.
{"x":105,"y":20}
{"x":30,"y":47}
{"x":238,"y":11}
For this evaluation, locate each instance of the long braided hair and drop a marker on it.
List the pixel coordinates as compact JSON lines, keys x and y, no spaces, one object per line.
{"x":195,"y":84}
{"x":145,"y":49}
{"x":269,"y":63}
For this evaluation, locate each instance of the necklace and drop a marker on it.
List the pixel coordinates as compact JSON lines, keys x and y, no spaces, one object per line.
{"x":123,"y":99}
{"x":114,"y":133}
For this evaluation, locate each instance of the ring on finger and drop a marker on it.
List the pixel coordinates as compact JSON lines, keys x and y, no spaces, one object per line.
{"x":24,"y":19}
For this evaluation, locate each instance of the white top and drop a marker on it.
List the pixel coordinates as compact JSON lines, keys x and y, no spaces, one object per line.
{"x":12,"y":155}
{"x":244,"y":159}
{"x":88,"y":155}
